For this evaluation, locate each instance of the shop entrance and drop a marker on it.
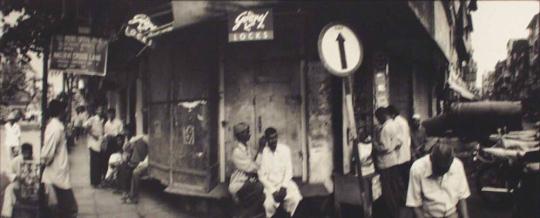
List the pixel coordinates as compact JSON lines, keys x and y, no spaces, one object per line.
{"x":264,"y":91}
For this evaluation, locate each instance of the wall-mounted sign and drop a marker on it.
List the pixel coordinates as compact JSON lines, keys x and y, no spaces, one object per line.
{"x":251,"y":25}
{"x":140,"y":27}
{"x":78,"y":55}
{"x":340,"y":50}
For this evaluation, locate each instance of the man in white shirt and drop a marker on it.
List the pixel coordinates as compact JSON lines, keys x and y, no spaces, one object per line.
{"x":94,"y":126}
{"x":404,"y":152}
{"x":12,"y":134}
{"x":438,"y":185}
{"x":14,"y":175}
{"x":54,"y":157}
{"x":113,"y":127}
{"x":386,"y":146}
{"x":275,"y":173}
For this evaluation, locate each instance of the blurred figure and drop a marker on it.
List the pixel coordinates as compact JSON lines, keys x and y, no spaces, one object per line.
{"x":112,"y":128}
{"x":13,"y":192}
{"x":54,"y":157}
{"x":79,"y":120}
{"x":418,"y":137}
{"x":94,"y":129}
{"x":13,"y":134}
{"x":438,"y":185}
{"x":386,"y":146}
{"x":404,"y":152}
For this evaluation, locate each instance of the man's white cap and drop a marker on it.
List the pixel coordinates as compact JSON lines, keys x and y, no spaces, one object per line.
{"x":416,"y":116}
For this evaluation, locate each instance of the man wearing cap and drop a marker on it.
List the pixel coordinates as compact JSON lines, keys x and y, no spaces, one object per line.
{"x":438,"y":185}
{"x":244,"y":185}
{"x":13,"y":134}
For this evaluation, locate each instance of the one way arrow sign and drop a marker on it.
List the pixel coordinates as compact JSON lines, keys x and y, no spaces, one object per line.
{"x":340,"y":50}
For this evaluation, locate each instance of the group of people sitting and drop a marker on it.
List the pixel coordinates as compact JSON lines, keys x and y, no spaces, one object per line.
{"x":262,"y":180}
{"x":117,"y":158}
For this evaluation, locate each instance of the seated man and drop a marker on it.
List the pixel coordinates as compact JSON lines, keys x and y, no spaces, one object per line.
{"x":114,"y":163}
{"x":275,"y":173}
{"x":438,"y":185}
{"x":137,"y":149}
{"x":23,"y":174}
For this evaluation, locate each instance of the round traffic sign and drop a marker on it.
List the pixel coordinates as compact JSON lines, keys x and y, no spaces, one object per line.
{"x":340,"y":50}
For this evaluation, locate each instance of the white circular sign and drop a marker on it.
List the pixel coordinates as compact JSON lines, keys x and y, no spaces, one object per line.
{"x":339,"y":49}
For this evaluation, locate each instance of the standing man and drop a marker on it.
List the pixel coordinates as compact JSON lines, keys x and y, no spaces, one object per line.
{"x":404,"y":152}
{"x":113,"y":127}
{"x":275,"y":173}
{"x":94,"y":126}
{"x":386,"y":147}
{"x":13,"y":134}
{"x":438,"y":185}
{"x":54,"y":157}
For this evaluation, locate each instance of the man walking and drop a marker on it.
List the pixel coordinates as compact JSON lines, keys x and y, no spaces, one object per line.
{"x":275,"y":173}
{"x":54,"y":157}
{"x":403,"y":152}
{"x":13,"y":134}
{"x":94,"y":126}
{"x":386,"y":146}
{"x":438,"y":185}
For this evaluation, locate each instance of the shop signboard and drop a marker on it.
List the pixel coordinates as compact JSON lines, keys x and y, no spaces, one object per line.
{"x":76,"y":54}
{"x":251,"y":25}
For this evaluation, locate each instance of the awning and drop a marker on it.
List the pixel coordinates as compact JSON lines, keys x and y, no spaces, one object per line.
{"x":463,"y":91}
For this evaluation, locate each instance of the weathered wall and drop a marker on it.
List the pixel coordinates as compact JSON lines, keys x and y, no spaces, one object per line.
{"x":320,"y":133}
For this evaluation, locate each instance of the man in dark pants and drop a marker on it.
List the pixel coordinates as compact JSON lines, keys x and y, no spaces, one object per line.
{"x":94,"y":126}
{"x":137,"y":149}
{"x":54,"y":157}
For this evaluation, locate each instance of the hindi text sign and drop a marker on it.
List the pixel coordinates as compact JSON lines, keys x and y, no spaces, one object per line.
{"x":78,"y":55}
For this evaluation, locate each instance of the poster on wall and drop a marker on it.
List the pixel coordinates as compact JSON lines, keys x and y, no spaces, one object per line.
{"x":251,"y":25}
{"x":76,"y":54}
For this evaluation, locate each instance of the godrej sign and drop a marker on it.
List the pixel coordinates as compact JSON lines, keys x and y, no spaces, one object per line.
{"x":251,"y":25}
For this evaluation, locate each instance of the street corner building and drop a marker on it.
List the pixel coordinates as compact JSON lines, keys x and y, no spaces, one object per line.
{"x":185,"y":72}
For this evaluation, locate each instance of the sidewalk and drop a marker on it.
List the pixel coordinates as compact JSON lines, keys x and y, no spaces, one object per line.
{"x":103,"y":203}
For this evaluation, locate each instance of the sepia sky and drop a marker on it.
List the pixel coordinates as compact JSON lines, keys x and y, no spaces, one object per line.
{"x":495,"y":22}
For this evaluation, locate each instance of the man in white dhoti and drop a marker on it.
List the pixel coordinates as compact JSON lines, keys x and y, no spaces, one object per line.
{"x":275,"y":173}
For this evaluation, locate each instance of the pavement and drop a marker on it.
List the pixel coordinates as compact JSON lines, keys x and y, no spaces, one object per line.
{"x":155,"y":203}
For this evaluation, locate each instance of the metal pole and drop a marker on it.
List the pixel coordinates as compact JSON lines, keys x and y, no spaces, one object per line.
{"x":44,"y":91}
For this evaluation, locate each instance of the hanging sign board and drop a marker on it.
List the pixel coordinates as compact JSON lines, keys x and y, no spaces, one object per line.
{"x":340,"y":50}
{"x":78,"y":55}
{"x":251,"y":25}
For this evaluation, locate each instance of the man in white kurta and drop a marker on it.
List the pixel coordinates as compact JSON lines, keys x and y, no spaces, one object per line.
{"x":275,"y":173}
{"x":54,"y":157}
{"x":12,"y":135}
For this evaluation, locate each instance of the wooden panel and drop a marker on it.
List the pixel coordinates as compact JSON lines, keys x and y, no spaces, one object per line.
{"x":400,"y":77}
{"x":159,"y":137}
{"x":239,"y":81}
{"x":191,"y":136}
{"x":159,"y":76}
{"x":278,"y":104}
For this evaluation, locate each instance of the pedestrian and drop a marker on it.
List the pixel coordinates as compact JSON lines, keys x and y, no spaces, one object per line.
{"x":54,"y":157}
{"x":139,"y":151}
{"x":244,"y":185}
{"x":275,"y":173}
{"x":404,"y":152}
{"x":418,"y":137}
{"x":12,"y":134}
{"x":19,"y":180}
{"x":386,"y":147}
{"x":438,"y":185}
{"x":79,"y":120}
{"x":94,"y":129}
{"x":112,"y":128}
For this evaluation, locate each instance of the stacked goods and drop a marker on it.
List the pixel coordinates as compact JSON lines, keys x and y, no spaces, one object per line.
{"x":514,"y":143}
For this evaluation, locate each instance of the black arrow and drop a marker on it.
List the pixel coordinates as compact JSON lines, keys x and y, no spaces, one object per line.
{"x":341,"y":41}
